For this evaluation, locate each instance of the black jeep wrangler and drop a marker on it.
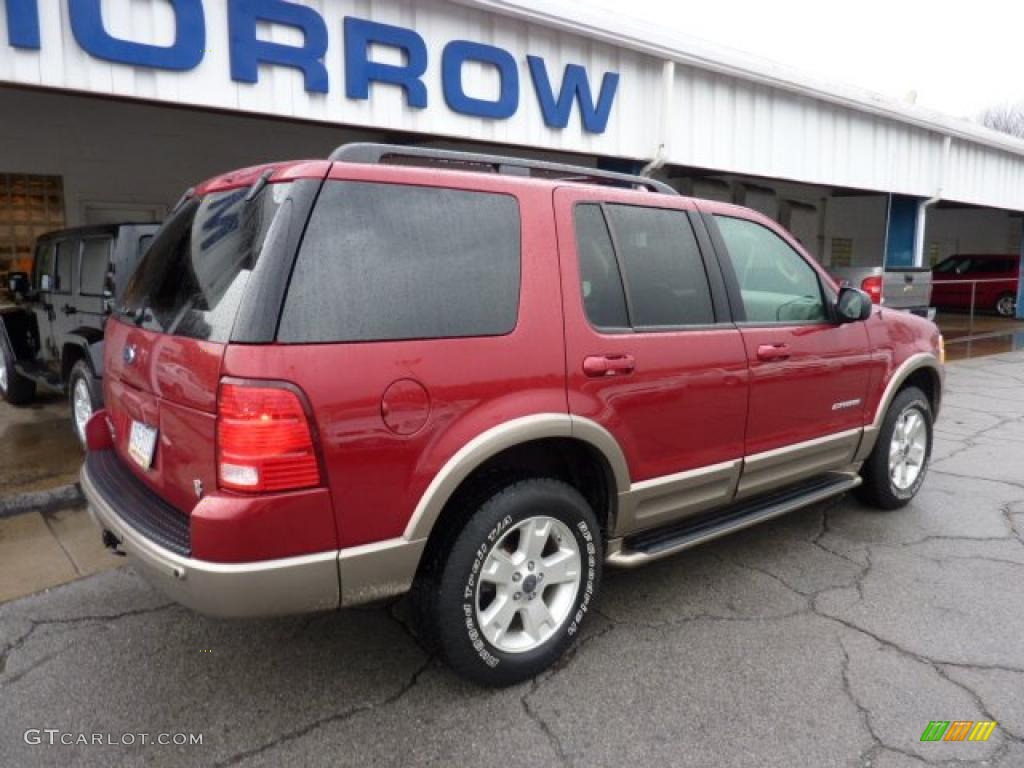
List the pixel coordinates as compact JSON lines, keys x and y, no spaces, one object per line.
{"x":53,"y":336}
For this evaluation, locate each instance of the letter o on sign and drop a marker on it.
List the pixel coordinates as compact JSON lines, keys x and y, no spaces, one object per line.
{"x":187,"y":51}
{"x":455,"y":54}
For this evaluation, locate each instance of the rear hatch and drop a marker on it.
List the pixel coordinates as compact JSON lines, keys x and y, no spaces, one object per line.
{"x":164,"y":351}
{"x":907,"y":287}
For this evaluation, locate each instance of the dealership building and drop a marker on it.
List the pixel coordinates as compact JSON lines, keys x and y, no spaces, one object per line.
{"x":112,"y":108}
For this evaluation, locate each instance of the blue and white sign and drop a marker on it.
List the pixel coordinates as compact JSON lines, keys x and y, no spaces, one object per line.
{"x":338,"y":58}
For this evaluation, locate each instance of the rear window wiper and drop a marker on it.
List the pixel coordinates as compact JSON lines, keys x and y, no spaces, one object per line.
{"x":258,"y":185}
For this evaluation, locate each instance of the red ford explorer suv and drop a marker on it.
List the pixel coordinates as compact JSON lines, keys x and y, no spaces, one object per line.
{"x":480,"y":379}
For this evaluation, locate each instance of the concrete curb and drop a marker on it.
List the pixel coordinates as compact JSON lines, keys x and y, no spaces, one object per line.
{"x":41,"y":501}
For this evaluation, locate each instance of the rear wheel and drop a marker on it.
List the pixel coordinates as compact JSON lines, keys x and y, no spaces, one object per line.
{"x":896,"y":468}
{"x":517,"y":583}
{"x":84,"y":398}
{"x":14,"y":388}
{"x":1006,"y":305}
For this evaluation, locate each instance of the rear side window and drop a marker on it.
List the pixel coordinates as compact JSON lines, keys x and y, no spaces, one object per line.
{"x":661,"y":265}
{"x":385,"y":262}
{"x":95,"y":262}
{"x":193,"y":276}
{"x":603,"y":296}
{"x":640,"y":268}
{"x":43,"y":266}
{"x":995,"y":266}
{"x":66,"y":252}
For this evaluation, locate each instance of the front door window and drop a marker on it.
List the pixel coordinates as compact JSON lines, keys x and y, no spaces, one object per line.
{"x":776,"y":284}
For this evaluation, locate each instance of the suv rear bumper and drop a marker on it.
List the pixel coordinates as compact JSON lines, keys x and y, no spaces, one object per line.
{"x":267,"y":588}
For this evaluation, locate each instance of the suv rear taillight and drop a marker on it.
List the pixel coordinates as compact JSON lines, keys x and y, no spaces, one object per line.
{"x":872,"y":286}
{"x":264,"y":440}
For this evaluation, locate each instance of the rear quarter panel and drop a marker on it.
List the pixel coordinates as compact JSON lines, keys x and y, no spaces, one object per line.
{"x":375,"y":476}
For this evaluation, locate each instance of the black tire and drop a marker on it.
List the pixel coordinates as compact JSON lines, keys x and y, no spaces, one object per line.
{"x":82,"y":374}
{"x":19,"y":390}
{"x":878,"y":488}
{"x":1006,"y":305}
{"x":449,"y":620}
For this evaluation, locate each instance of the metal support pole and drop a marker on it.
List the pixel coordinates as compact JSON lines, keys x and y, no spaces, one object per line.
{"x":1020,"y":280}
{"x":922,"y":209}
{"x":970,"y":322}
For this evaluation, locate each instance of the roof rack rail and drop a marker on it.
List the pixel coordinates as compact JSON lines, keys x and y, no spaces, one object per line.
{"x":375,"y":154}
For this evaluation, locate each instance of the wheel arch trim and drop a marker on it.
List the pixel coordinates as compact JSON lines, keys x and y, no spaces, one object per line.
{"x":917,"y":362}
{"x":502,"y":437}
{"x":88,"y":346}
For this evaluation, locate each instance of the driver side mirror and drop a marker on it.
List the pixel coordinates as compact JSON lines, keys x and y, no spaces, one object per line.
{"x":852,"y":305}
{"x":18,"y":283}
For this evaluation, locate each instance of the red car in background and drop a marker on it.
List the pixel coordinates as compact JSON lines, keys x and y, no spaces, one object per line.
{"x":997,"y":276}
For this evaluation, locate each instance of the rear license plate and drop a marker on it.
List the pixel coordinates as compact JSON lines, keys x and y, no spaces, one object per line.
{"x":142,"y":444}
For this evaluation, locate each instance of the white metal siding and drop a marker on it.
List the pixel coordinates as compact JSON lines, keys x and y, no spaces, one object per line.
{"x":62,"y":64}
{"x":730,"y":122}
{"x":725,"y":123}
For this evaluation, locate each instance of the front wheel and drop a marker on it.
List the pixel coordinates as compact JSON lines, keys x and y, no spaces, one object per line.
{"x":517,"y":583}
{"x":896,"y":468}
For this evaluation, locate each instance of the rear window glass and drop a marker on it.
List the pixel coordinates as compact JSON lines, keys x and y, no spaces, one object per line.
{"x":194,"y":273}
{"x":95,"y":261}
{"x":385,"y":262}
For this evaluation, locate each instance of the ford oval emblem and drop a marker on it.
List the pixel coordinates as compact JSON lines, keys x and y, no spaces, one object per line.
{"x":129,"y":354}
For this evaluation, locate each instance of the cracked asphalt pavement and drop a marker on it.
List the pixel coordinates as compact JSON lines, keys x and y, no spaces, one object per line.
{"x":830,"y":637}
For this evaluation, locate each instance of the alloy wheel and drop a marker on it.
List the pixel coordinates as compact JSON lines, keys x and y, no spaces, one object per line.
{"x":908,"y":449}
{"x":528,"y":584}
{"x":1006,"y":306}
{"x":82,"y":407}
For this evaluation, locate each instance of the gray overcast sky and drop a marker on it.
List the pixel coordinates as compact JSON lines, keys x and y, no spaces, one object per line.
{"x":959,"y":56}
